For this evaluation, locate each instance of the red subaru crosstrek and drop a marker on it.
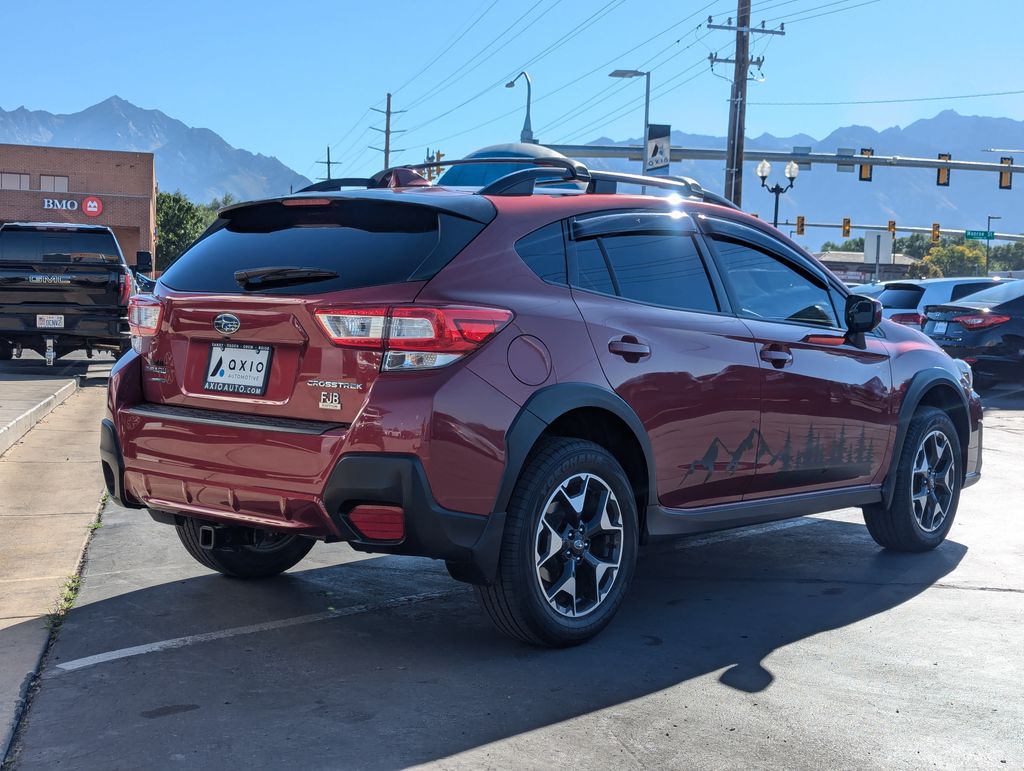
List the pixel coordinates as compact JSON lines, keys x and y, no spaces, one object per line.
{"x":527,"y":384}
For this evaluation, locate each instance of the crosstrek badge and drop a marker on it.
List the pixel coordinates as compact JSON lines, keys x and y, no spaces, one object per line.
{"x":92,"y":206}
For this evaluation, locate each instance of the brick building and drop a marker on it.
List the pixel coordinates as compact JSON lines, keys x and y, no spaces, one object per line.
{"x":96,"y":187}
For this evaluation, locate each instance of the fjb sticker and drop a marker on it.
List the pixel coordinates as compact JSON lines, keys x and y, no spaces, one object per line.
{"x":92,"y":206}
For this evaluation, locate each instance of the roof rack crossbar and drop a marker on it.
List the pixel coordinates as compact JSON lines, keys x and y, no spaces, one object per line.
{"x":688,"y":188}
{"x":522,"y":182}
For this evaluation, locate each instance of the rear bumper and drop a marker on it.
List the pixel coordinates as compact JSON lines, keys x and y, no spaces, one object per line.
{"x":18,"y":324}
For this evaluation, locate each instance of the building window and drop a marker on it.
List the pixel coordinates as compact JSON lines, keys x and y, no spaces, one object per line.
{"x":51,"y":184}
{"x":12,"y":181}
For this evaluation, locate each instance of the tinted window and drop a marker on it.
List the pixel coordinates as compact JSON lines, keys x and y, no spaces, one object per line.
{"x":41,"y":246}
{"x":365,"y":242}
{"x":544,"y":251}
{"x":766,"y":287}
{"x":901,"y":296}
{"x":661,"y":269}
{"x":963,"y":290}
{"x":1001,"y":293}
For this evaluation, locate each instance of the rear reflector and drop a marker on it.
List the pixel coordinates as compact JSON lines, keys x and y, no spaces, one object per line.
{"x":981,"y":320}
{"x":144,"y":312}
{"x":378,"y":523}
{"x":414,"y":337}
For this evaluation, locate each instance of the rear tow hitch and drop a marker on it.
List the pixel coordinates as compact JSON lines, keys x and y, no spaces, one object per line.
{"x":213,"y":537}
{"x":51,"y":354}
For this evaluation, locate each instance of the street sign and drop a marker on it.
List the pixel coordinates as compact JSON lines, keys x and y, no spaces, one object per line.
{"x":657,"y":156}
{"x":980,"y":235}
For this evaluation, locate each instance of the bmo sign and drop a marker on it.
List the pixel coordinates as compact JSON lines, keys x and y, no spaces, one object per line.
{"x":91,"y":206}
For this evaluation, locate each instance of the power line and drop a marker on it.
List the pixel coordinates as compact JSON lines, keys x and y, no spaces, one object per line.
{"x":577,"y":79}
{"x":889,"y":101}
{"x":826,"y":13}
{"x":451,"y":45}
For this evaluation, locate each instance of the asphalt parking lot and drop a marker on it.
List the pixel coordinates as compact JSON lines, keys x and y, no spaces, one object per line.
{"x":793,"y":644}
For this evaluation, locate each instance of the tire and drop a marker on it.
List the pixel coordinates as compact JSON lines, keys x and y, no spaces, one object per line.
{"x":544,"y":545}
{"x":911,"y":522}
{"x":278,"y":552}
{"x":6,"y":352}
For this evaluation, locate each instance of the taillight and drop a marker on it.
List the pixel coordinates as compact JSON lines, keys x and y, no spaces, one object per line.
{"x":125,"y":286}
{"x":144,"y":313}
{"x":909,"y":319}
{"x":414,"y":337}
{"x":355,"y":327}
{"x":980,"y":320}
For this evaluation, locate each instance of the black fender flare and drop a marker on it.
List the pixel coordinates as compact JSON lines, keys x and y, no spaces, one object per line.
{"x":547,"y":405}
{"x":920,"y":385}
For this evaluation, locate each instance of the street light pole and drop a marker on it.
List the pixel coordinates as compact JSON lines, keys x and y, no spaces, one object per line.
{"x":647,"y":108}
{"x":763,"y":170}
{"x":988,"y":241}
{"x":526,"y":135}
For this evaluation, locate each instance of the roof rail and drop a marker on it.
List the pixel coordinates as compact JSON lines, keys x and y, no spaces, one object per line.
{"x":523,"y":181}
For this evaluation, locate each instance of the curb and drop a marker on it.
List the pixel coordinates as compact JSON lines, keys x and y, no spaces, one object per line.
{"x":17,"y":428}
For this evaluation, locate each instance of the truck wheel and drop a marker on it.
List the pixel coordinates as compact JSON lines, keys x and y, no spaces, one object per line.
{"x":927,"y":491}
{"x":6,"y":352}
{"x":273,"y":553}
{"x":569,"y":547}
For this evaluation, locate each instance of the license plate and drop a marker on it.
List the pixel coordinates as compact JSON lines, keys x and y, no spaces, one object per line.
{"x":940,"y":327}
{"x":238,"y":368}
{"x":49,"y":321}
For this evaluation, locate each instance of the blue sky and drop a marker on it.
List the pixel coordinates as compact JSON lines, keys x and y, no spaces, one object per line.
{"x":289,"y":79}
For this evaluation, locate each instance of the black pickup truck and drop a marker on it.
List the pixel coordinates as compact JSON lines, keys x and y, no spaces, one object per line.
{"x":64,"y":288}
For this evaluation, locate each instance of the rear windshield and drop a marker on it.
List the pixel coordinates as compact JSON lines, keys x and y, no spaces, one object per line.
{"x":365,"y":242}
{"x":900,"y":296}
{"x":42,"y":246}
{"x":997,"y":295}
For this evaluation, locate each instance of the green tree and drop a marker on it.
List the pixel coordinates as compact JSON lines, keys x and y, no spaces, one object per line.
{"x":916,"y":246}
{"x":1007,"y":257}
{"x":210,"y":209}
{"x":924,"y":269}
{"x":179,"y":222}
{"x":958,"y":259}
{"x":849,"y":245}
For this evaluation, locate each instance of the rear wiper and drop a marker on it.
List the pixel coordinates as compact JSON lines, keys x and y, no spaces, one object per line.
{"x":279,"y":275}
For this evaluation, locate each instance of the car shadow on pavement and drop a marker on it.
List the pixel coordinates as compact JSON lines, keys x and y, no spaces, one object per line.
{"x":425,"y":680}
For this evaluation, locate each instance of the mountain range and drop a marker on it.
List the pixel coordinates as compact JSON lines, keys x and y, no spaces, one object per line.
{"x":196,"y":161}
{"x":201,"y":164}
{"x":909,"y":196}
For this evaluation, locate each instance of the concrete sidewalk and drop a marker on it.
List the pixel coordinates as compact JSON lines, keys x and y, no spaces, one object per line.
{"x":50,"y":488}
{"x":27,"y":399}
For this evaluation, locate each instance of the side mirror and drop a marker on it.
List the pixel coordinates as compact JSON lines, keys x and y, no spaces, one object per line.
{"x":862,"y":314}
{"x":143,"y":262}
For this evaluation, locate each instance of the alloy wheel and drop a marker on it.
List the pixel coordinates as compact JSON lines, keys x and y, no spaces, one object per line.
{"x":578,"y":545}
{"x":934,"y":481}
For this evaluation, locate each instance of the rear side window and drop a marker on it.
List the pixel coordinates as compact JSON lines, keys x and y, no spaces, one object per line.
{"x":963,"y":290}
{"x":544,"y":252}
{"x":901,"y":296}
{"x":48,"y":246}
{"x":1003,"y":292}
{"x":658,"y":268}
{"x":366,"y":243}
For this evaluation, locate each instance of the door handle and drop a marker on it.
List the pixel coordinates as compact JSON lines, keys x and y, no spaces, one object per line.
{"x":629,"y":348}
{"x":776,"y":357}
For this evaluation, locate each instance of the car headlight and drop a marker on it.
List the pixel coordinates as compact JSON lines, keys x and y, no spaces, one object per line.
{"x":966,"y":374}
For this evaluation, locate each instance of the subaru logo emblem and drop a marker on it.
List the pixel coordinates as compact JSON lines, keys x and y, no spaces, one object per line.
{"x":227,"y":324}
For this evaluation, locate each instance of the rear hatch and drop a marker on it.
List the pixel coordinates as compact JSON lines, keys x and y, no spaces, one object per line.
{"x":239,"y":329}
{"x":947,"y":324}
{"x":40,"y":267}
{"x":900,"y":302}
{"x":943,"y":323}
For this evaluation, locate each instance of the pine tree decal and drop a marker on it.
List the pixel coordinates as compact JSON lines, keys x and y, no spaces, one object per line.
{"x":861,"y":453}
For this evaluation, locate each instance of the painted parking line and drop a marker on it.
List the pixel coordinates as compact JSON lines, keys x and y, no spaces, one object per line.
{"x":267,"y":626}
{"x":182,"y":642}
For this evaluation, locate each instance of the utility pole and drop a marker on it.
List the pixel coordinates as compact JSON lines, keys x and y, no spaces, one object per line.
{"x":738,"y":95}
{"x":387,"y":131}
{"x":328,"y":164}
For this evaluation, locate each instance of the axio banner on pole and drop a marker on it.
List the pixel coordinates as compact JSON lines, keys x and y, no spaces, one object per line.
{"x":656,"y":158}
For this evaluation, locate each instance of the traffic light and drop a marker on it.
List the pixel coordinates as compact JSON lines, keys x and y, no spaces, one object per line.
{"x":942,"y":175}
{"x":846,"y":227}
{"x":935,"y":232}
{"x":428,"y":172}
{"x":1005,"y":177}
{"x":864,"y":170}
{"x":800,"y":224}
{"x":438,"y":155}
{"x":892,"y":228}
